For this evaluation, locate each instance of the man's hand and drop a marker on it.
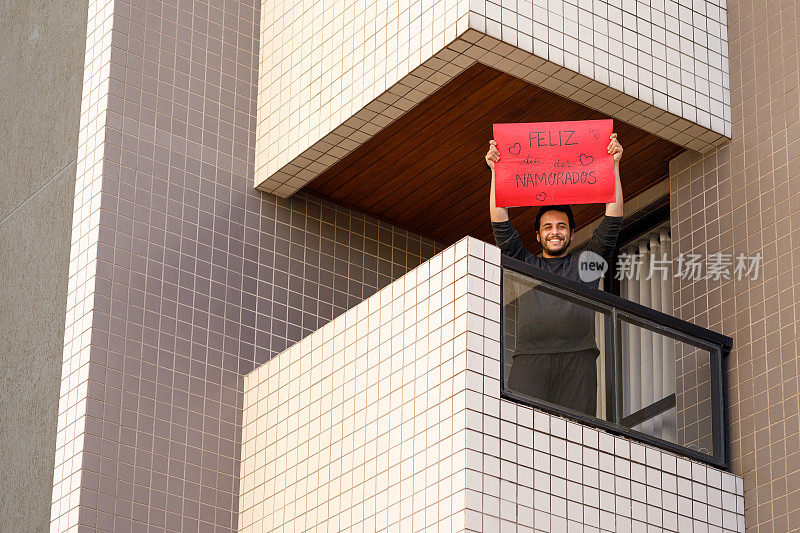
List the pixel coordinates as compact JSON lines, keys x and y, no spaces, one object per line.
{"x":614,"y":209}
{"x":614,"y":148}
{"x":497,"y":214}
{"x":493,"y":154}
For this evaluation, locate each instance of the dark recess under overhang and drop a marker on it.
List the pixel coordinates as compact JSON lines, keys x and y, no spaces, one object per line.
{"x":425,"y":172}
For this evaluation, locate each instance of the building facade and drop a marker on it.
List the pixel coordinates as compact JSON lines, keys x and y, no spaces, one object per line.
{"x":214,"y":182}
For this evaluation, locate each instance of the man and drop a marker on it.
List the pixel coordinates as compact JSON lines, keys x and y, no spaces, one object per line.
{"x":555,"y":357}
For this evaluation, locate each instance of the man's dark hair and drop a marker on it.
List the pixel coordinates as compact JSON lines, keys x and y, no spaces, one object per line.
{"x":563,"y":208}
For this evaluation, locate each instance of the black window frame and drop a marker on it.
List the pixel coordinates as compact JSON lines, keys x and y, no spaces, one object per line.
{"x":719,"y":347}
{"x":648,"y":218}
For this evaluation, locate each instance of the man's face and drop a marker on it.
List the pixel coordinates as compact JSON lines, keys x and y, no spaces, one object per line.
{"x":554,"y":234}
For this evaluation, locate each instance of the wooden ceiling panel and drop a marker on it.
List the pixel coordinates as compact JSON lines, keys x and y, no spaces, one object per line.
{"x":425,"y":172}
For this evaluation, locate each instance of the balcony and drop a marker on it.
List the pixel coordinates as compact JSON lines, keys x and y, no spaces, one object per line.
{"x":394,"y":417}
{"x":660,"y":379}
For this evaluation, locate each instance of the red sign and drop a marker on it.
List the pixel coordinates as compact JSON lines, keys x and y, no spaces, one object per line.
{"x":549,"y":163}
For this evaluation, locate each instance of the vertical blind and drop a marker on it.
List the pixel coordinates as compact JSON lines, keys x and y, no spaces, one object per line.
{"x":648,"y":358}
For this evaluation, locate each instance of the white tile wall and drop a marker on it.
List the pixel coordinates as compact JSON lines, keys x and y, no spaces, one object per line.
{"x":389,"y":418}
{"x":82,"y":269}
{"x":661,"y":66}
{"x":322,"y":63}
{"x":362,"y":425}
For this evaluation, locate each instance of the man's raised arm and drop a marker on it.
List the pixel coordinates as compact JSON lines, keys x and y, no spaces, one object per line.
{"x":613,"y":209}
{"x":497,"y":214}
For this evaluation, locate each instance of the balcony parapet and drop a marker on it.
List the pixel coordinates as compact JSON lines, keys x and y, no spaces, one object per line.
{"x":390,"y":417}
{"x":664,"y":378}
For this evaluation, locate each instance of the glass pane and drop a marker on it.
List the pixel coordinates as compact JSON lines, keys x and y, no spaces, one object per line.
{"x":554,"y":345}
{"x":666,"y":388}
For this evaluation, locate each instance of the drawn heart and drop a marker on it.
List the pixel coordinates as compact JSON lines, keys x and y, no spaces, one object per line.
{"x":586,"y":160}
{"x":515,"y":149}
{"x":541,"y":196}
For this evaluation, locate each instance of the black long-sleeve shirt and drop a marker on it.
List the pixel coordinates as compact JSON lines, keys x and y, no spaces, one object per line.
{"x":549,"y":323}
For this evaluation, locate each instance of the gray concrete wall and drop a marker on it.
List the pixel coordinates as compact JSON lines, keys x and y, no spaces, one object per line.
{"x":41,"y":73}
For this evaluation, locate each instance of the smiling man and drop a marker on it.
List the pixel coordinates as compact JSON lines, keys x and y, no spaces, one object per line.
{"x":555,"y":356}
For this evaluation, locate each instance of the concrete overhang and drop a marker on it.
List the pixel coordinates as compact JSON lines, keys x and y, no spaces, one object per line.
{"x":388,"y":110}
{"x":426,"y":172}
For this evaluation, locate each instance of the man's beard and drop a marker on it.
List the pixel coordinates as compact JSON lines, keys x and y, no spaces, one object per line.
{"x":558,"y":249}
